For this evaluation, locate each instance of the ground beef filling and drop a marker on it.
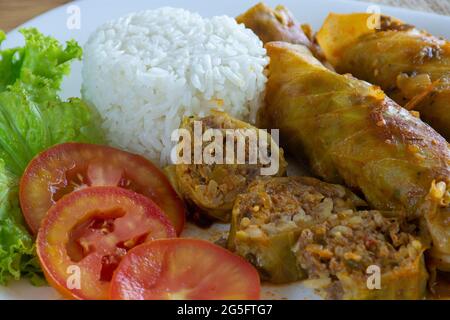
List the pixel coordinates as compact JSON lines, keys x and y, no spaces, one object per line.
{"x":349,"y":242}
{"x":275,"y":205}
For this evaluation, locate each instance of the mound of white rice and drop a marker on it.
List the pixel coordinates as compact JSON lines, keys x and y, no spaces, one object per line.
{"x":147,"y":70}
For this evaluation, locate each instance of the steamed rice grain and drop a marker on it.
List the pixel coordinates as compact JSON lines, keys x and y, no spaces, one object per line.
{"x":144,"y":72}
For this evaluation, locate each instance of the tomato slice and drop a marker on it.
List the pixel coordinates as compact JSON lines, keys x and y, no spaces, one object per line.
{"x":187,"y":269}
{"x":72,"y":166}
{"x":85,"y":235}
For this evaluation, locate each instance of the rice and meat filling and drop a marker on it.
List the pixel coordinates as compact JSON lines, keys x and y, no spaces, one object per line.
{"x":273,"y":205}
{"x":213,"y":188}
{"x":339,"y":252}
{"x":294,"y":228}
{"x":268,"y":218}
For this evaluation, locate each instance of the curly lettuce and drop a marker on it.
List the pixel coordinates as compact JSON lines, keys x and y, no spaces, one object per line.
{"x":17,"y":251}
{"x":42,"y":57}
{"x":33,"y":118}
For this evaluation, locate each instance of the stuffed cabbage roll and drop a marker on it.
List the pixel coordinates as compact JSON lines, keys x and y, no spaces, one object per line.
{"x":352,"y":133}
{"x":268,"y":217}
{"x":410,"y":65}
{"x":211,"y":188}
{"x":278,"y":24}
{"x":294,"y":228}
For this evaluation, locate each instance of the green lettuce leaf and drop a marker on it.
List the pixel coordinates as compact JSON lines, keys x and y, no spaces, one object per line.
{"x":17,"y":250}
{"x":42,"y":56}
{"x":27,"y":127}
{"x":32,"y":119}
{"x":9,"y":65}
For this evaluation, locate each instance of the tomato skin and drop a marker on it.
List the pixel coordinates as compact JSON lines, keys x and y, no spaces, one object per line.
{"x":50,"y":175}
{"x":177,"y":268}
{"x":67,"y":219}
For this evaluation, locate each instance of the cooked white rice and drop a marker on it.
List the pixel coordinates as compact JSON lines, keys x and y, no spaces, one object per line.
{"x":147,"y":70}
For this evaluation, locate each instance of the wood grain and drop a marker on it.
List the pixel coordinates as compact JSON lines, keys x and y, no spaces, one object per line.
{"x":16,"y":12}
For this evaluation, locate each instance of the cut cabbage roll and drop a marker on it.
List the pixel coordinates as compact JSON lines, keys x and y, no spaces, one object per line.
{"x":211,"y":188}
{"x":269,"y":216}
{"x":362,"y":255}
{"x":352,"y":133}
{"x":292,"y":228}
{"x":278,"y":24}
{"x":410,"y":65}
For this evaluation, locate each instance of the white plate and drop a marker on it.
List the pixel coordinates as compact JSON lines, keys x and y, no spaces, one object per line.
{"x":95,"y":12}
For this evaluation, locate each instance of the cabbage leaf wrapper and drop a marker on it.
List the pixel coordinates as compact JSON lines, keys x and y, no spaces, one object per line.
{"x":279,"y":24}
{"x":410,"y":65}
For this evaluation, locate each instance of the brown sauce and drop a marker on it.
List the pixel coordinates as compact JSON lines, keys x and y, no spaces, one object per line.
{"x":441,"y":288}
{"x":198,"y":218}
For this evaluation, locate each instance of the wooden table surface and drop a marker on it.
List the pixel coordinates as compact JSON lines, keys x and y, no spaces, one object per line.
{"x":15,"y":12}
